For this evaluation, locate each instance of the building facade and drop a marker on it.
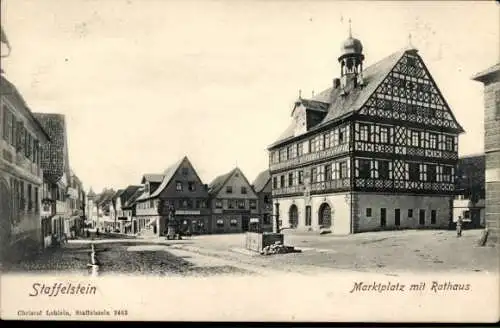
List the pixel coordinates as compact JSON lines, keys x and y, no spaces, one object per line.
{"x":56,"y":210}
{"x":124,"y":220}
{"x":129,"y":209}
{"x":469,"y":202}
{"x":263,"y":189}
{"x":491,"y":80}
{"x":21,"y":175}
{"x":180,"y":189}
{"x":377,"y":150}
{"x":233,"y":203}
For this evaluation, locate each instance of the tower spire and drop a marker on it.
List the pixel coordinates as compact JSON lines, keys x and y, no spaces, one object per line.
{"x":350,"y":28}
{"x":410,"y":45}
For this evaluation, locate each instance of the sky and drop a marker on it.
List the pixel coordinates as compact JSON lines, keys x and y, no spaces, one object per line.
{"x":143,"y":83}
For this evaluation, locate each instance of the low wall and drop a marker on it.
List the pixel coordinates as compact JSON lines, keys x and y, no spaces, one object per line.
{"x":255,"y":241}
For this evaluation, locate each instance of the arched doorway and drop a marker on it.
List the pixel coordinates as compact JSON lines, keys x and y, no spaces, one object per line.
{"x":293,"y":216}
{"x":325,"y":215}
{"x":5,"y":217}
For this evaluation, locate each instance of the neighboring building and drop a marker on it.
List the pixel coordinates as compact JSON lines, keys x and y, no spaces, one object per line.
{"x":491,"y":80}
{"x":180,"y":188}
{"x":91,"y":208}
{"x":114,"y":211}
{"x":124,"y":221}
{"x":262,"y":187}
{"x":104,"y":209}
{"x":56,"y":211}
{"x":77,"y":197}
{"x":233,"y":202}
{"x":470,"y":191}
{"x":21,"y":176}
{"x":129,"y":209}
{"x":377,"y":150}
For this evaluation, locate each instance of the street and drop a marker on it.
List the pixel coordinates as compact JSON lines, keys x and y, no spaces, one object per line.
{"x":383,"y":252}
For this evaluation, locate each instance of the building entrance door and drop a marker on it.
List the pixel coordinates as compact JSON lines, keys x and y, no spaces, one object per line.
{"x":245,"y":220}
{"x":397,"y":217}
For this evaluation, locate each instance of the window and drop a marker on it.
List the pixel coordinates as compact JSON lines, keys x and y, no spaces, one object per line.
{"x":326,"y":138}
{"x":185,"y":171}
{"x":300,"y":149}
{"x":368,"y":212}
{"x":466,"y":214}
{"x":314,"y":174}
{"x":383,"y":170}
{"x":230,"y":203}
{"x":241,"y":203}
{"x":218,"y":203}
{"x":414,"y":171}
{"x":384,"y":134}
{"x":220,"y":223}
{"x":178,"y":186}
{"x":233,"y":223}
{"x":328,"y":172}
{"x":415,"y":139}
{"x":290,"y":179}
{"x":312,"y":145}
{"x":191,"y":186}
{"x":364,"y":131}
{"x":229,"y":189}
{"x":203,"y":203}
{"x":449,"y":143}
{"x":267,"y":199}
{"x":335,"y":137}
{"x":282,"y":181}
{"x":447,"y":175}
{"x":243,"y":190}
{"x":433,"y":216}
{"x":275,"y":182}
{"x":432,"y":141}
{"x":344,"y":170}
{"x":253,"y":204}
{"x":342,"y":137}
{"x":301,"y":177}
{"x":423,"y":172}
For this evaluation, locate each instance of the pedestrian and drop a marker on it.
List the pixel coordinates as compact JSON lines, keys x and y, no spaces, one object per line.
{"x":459,"y":226}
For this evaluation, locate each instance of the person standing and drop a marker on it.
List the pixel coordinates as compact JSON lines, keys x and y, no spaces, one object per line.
{"x":459,"y":226}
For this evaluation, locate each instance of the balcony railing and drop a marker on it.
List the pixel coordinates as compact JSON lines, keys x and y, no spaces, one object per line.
{"x":311,"y":157}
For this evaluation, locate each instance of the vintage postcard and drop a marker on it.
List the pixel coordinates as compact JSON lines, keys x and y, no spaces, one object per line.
{"x":263,"y":161}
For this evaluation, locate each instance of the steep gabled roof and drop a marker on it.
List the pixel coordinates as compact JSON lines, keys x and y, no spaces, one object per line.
{"x":8,"y":88}
{"x":54,"y":160}
{"x":167,"y":177}
{"x":216,"y":185}
{"x":219,"y":182}
{"x":261,"y":180}
{"x":131,"y":201}
{"x":343,"y":106}
{"x":127,"y":193}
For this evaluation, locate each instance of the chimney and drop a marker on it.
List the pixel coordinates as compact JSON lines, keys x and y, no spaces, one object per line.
{"x":336,"y":83}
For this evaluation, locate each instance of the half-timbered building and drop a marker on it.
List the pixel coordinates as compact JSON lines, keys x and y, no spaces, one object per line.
{"x":180,"y":189}
{"x":233,"y":202}
{"x":376,"y":150}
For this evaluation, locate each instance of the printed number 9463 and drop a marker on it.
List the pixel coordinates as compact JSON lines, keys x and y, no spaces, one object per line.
{"x":120,"y":312}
